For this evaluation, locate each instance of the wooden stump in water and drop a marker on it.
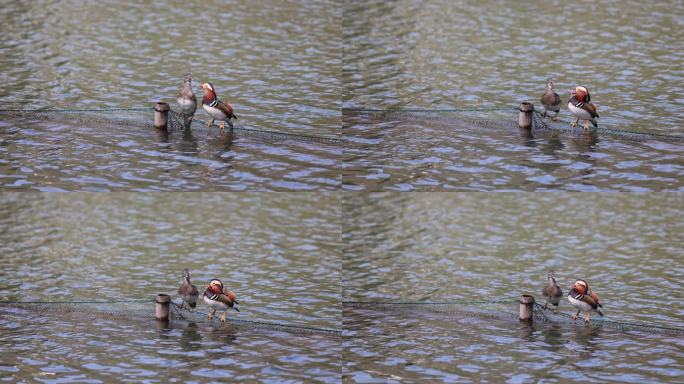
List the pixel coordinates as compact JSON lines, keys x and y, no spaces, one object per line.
{"x":526,"y":307}
{"x":161,"y":115}
{"x":161,"y":311}
{"x":525,"y":118}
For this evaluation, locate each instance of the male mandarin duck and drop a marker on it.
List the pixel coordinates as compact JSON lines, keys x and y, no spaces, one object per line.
{"x":219,"y":297}
{"x":550,"y":100}
{"x":552,"y":291}
{"x":188,"y":291}
{"x":582,"y":298}
{"x":216,"y":108}
{"x":581,"y":106}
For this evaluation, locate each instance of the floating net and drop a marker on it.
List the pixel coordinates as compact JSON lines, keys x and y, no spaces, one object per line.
{"x":145,"y":310}
{"x":507,"y":310}
{"x":509,"y":118}
{"x":143,"y":117}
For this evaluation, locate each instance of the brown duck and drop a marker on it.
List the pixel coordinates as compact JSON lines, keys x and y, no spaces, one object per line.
{"x":550,"y":100}
{"x":552,"y":291}
{"x":188,"y":291}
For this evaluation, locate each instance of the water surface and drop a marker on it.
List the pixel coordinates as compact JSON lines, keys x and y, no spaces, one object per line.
{"x":464,"y":152}
{"x":472,"y":247}
{"x":445,"y":54}
{"x":278,"y":252}
{"x":276,"y":62}
{"x":66,"y":155}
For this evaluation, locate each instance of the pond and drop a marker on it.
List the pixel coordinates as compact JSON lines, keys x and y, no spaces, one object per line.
{"x":477,"y":248}
{"x":120,"y":247}
{"x":440,"y":55}
{"x":278,"y":64}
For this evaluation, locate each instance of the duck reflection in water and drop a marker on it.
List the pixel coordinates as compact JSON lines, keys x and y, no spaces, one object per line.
{"x":190,"y":339}
{"x":586,"y":141}
{"x":188,"y":144}
{"x":553,"y":336}
{"x":223,"y":333}
{"x":553,"y":145}
{"x":585,"y":337}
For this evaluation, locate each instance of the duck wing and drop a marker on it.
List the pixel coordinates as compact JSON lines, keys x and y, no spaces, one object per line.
{"x":550,"y":99}
{"x":587,"y":106}
{"x":187,"y":289}
{"x":592,"y":300}
{"x":227,"y":109}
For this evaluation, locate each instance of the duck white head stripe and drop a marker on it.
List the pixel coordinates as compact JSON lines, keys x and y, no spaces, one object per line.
{"x":581,"y":283}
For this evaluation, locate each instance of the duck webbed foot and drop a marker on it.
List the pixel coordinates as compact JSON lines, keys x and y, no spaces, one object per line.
{"x":576,"y":315}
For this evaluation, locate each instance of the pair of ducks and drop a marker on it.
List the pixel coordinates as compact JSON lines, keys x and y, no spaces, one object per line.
{"x":215,"y":295}
{"x":217,"y":109}
{"x":580,"y":105}
{"x":580,"y":296}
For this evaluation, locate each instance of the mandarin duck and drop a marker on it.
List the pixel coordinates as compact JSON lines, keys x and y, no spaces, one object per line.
{"x":550,"y":100}
{"x":186,"y":100}
{"x":582,"y":298}
{"x":219,"y":297}
{"x":188,"y":291}
{"x":217,"y":109}
{"x":581,"y":106}
{"x":552,"y":291}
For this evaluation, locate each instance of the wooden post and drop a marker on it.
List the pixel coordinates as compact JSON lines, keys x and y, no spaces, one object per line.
{"x":161,"y":311}
{"x":525,"y":118}
{"x":161,"y":115}
{"x":526,"y":307}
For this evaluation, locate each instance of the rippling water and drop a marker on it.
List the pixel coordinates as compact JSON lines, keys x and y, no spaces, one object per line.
{"x":279,"y":252}
{"x":276,"y":62}
{"x":58,"y":155}
{"x":437,"y":247}
{"x":445,"y":54}
{"x":449,"y":152}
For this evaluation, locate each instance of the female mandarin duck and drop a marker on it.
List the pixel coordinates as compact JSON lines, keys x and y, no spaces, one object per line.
{"x":581,"y":106}
{"x":582,"y":298}
{"x":186,"y":100}
{"x":216,"y":108}
{"x":550,"y":100}
{"x":219,"y":297}
{"x":188,"y":291}
{"x":552,"y":291}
